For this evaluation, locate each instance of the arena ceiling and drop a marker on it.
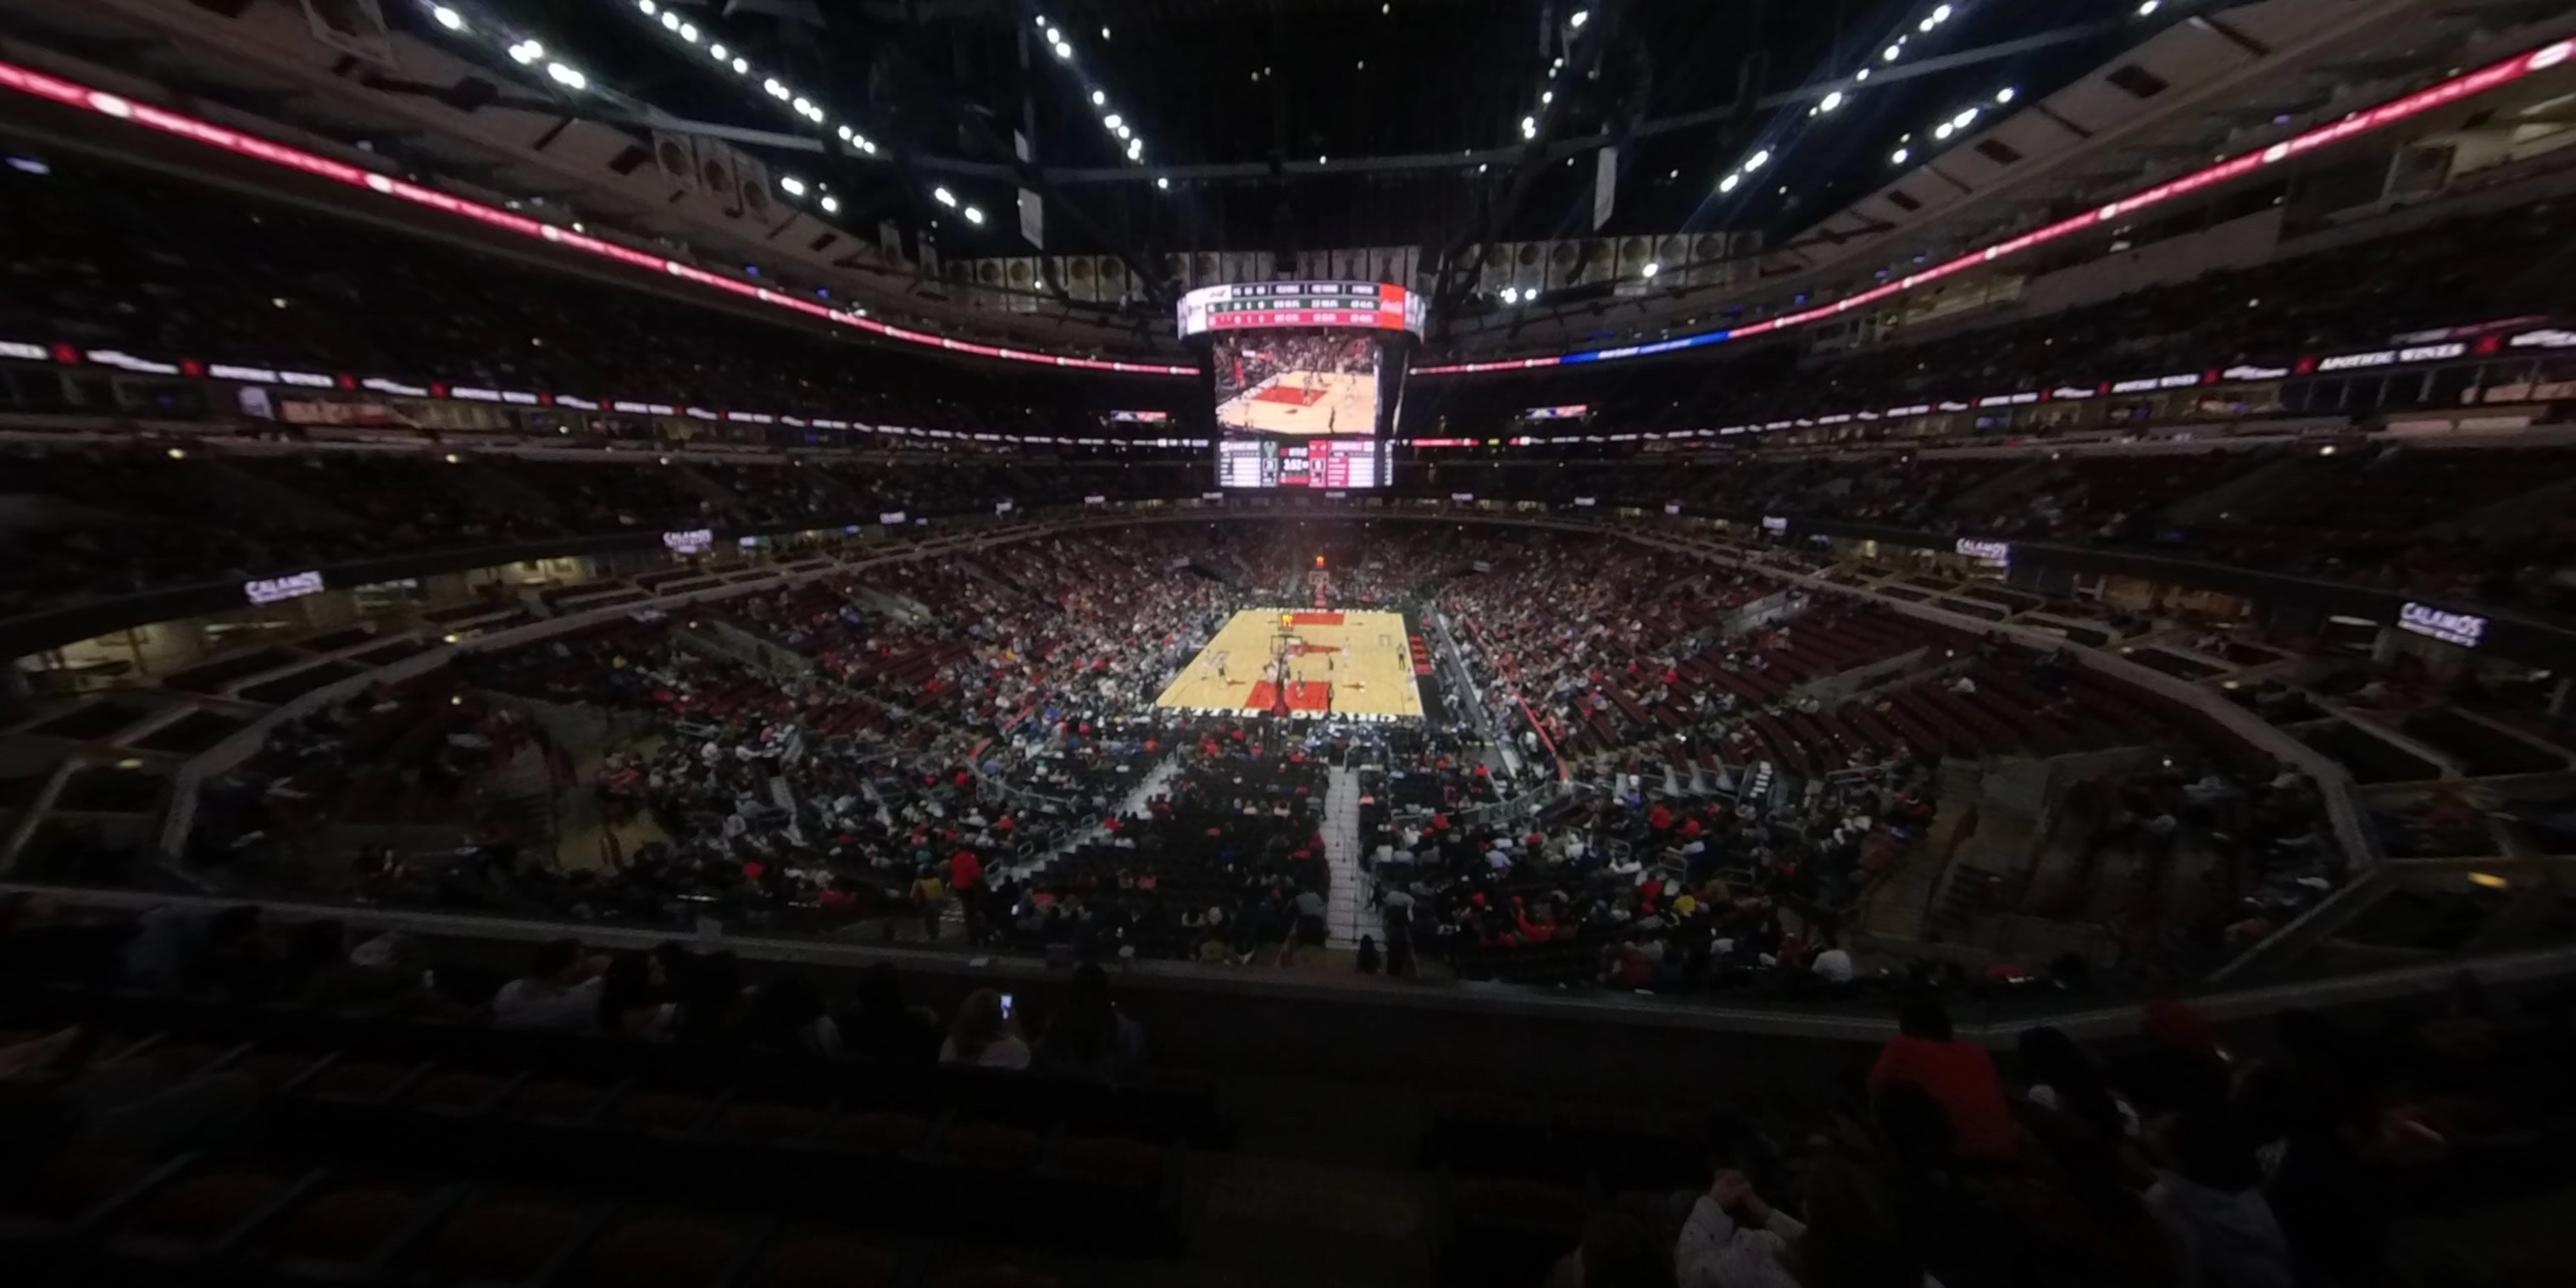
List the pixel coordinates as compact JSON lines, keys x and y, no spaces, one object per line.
{"x":1285,"y":125}
{"x":1159,"y":126}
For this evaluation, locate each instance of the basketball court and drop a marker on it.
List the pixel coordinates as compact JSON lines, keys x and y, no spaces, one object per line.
{"x":1305,"y":404}
{"x":1350,"y":664}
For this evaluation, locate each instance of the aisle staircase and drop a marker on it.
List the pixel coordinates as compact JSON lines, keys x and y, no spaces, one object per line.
{"x":1346,"y":904}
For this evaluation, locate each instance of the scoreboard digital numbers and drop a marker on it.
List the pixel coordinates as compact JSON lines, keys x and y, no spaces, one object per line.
{"x":1315,"y":462}
{"x":1379,"y":306}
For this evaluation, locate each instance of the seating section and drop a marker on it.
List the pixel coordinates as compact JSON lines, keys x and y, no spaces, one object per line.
{"x":471,"y":1155}
{"x":1213,"y":868}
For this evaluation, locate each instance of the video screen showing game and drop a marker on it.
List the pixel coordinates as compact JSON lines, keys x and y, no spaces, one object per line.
{"x":1297,"y":383}
{"x":1299,"y":407}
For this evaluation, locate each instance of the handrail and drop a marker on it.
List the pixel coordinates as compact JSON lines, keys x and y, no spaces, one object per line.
{"x":1995,"y":1024}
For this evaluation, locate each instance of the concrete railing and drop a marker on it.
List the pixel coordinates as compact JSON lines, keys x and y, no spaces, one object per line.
{"x":1994,"y":1024}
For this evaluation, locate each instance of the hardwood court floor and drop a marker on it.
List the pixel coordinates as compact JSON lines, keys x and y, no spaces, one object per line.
{"x":1305,"y":404}
{"x":1369,"y":665}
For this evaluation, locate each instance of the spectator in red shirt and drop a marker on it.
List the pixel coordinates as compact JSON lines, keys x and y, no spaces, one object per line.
{"x":1960,"y":1076}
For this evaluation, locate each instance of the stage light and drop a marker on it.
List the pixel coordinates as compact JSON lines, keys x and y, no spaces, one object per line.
{"x":831,"y":205}
{"x":526,"y":52}
{"x":1861,"y":75}
{"x":1529,"y":127}
{"x":566,"y":76}
{"x":1941,"y":13}
{"x":793,"y":186}
{"x":2147,"y":8}
{"x":1728,"y":183}
{"x":1135,"y":149}
{"x":772,"y":88}
{"x":1757,"y":160}
{"x":689,"y":32}
{"x":2004,"y":95}
{"x":1898,"y":157}
{"x":1104,"y":33}
{"x":1942,"y":131}
{"x":448,"y":18}
{"x":1830,"y":101}
{"x":670,"y":21}
{"x":1891,"y":53}
{"x":1054,"y":37}
{"x":741,"y":66}
{"x":716,"y":52}
{"x":1321,"y":159}
{"x":1926,"y":25}
{"x":1964,"y":119}
{"x":943,"y":197}
{"x":1113,"y":120}
{"x":974,"y":216}
{"x":1064,"y":51}
{"x":647,"y":6}
{"x":802,"y":105}
{"x":845,"y":133}
{"x":1099,"y":98}
{"x":1042,"y":22}
{"x":1652,"y":268}
{"x":1580,"y":17}
{"x":1163,"y":183}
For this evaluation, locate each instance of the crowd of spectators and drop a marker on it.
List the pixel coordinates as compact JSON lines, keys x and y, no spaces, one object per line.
{"x":100,"y":267}
{"x":1693,"y":776}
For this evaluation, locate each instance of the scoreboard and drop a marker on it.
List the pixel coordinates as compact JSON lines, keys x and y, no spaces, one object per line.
{"x":1314,"y":462}
{"x":1379,"y":306}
